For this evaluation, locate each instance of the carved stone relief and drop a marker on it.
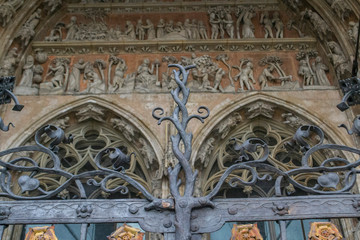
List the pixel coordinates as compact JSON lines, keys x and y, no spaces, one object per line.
{"x":27,"y":31}
{"x":8,"y":10}
{"x":320,"y":26}
{"x":260,"y":108}
{"x":341,"y":63}
{"x":57,"y":75}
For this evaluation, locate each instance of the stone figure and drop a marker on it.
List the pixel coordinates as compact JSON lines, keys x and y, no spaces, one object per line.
{"x":150,"y":29}
{"x":139,"y":30}
{"x":340,"y":7}
{"x":320,"y":70}
{"x":62,"y":123}
{"x":215,"y":25}
{"x":28,"y":72}
{"x":126,"y":129}
{"x":286,"y":80}
{"x":226,"y":125}
{"x":74,"y":78}
{"x":160,"y":28}
{"x":38,"y":72}
{"x":206,"y":151}
{"x":194,"y":30}
{"x":130,"y":30}
{"x":119,"y":77}
{"x":220,"y":73}
{"x":265,"y":20}
{"x":278,"y":24}
{"x":27,"y":31}
{"x":8,"y":10}
{"x":229,"y":24}
{"x":338,"y":59}
{"x":265,"y":76}
{"x":56,"y":33}
{"x":248,"y":27}
{"x":245,"y":75}
{"x":8,"y":65}
{"x":147,"y":152}
{"x":169,"y":27}
{"x":95,"y":83}
{"x":353,"y":31}
{"x":178,"y":27}
{"x":187,"y":28}
{"x":72,"y":29}
{"x":53,"y":4}
{"x":145,"y":75}
{"x":320,"y":26}
{"x":58,"y":72}
{"x":202,"y":30}
{"x":293,"y":120}
{"x":306,"y":72}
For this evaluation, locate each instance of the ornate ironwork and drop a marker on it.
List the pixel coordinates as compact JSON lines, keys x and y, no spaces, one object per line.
{"x":6,"y":95}
{"x":183,"y":216}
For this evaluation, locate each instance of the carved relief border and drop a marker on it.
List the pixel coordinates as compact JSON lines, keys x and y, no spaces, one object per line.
{"x":71,"y":48}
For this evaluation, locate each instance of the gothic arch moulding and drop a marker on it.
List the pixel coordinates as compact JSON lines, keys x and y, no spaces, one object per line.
{"x":97,"y":124}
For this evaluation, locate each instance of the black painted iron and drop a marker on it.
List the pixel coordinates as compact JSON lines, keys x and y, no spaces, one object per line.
{"x":183,"y":216}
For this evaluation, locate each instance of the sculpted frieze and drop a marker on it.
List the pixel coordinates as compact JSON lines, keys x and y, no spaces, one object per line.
{"x":8,"y":10}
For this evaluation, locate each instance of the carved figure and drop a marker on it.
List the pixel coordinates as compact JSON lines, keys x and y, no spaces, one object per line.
{"x":8,"y":10}
{"x":245,"y":75}
{"x":38,"y":72}
{"x":130,"y":30}
{"x":340,"y":7}
{"x":265,"y":20}
{"x":278,"y":24}
{"x":53,"y":4}
{"x":292,"y":120}
{"x":202,"y":30}
{"x":187,"y":28}
{"x":119,"y":77}
{"x":7,"y":67}
{"x":27,"y":31}
{"x":228,"y":124}
{"x":140,"y":31}
{"x":306,"y":72}
{"x":160,"y":28}
{"x":147,"y":152}
{"x":58,"y":71}
{"x":338,"y":59}
{"x":72,"y":29}
{"x":321,"y":27}
{"x":62,"y":123}
{"x":265,"y":76}
{"x":320,"y":70}
{"x":276,"y":63}
{"x":95,"y":83}
{"x":215,"y":24}
{"x":353,"y":31}
{"x":90,"y":111}
{"x":56,"y":33}
{"x":28,"y":72}
{"x":169,"y":27}
{"x":206,"y":151}
{"x":74,"y":78}
{"x":150,"y":29}
{"x":194,"y":30}
{"x":126,"y":129}
{"x":245,"y":16}
{"x":145,"y":74}
{"x":229,"y":24}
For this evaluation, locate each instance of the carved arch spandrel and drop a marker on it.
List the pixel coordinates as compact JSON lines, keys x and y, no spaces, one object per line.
{"x":217,"y":117}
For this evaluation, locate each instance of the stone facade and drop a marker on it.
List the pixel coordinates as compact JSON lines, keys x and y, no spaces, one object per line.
{"x":82,"y":62}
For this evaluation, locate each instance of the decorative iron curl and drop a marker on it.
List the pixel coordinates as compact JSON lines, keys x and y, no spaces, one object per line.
{"x":102,"y":184}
